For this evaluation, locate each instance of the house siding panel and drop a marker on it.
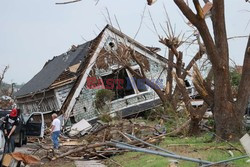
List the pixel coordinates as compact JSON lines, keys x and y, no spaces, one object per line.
{"x":38,"y":103}
{"x":62,"y":93}
{"x":84,"y":107}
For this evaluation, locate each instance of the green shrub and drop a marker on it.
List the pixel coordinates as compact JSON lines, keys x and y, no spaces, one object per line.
{"x":103,"y":97}
{"x":103,"y":104}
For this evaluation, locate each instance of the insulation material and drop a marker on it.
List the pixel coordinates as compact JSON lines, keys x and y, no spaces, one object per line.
{"x":74,"y":68}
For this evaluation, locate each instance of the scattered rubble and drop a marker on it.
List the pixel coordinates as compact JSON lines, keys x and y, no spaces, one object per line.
{"x":103,"y":140}
{"x":84,"y":141}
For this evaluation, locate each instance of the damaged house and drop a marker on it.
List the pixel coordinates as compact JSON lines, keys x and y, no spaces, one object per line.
{"x":69,"y":82}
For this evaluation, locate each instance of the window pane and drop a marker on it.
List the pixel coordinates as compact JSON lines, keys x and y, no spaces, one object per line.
{"x":119,"y":83}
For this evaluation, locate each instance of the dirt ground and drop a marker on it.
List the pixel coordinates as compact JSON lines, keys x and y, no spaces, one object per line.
{"x":58,"y":163}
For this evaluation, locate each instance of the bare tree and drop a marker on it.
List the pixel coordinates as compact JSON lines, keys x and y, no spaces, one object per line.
{"x":125,"y":54}
{"x":8,"y":91}
{"x":5,"y":103}
{"x":2,"y":75}
{"x":180,"y":73}
{"x":228,"y":113}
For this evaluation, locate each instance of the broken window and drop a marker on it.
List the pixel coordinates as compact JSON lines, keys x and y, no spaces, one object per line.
{"x":140,"y":83}
{"x":72,"y":119}
{"x":119,"y":83}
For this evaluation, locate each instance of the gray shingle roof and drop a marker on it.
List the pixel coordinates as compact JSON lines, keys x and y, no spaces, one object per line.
{"x":53,"y":68}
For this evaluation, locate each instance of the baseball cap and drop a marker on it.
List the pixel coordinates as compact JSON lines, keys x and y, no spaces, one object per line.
{"x":13,"y":112}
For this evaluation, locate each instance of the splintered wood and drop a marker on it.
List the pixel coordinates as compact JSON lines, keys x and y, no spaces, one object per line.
{"x":96,"y":143}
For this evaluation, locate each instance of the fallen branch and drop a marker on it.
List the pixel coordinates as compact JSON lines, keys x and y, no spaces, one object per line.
{"x":74,"y":158}
{"x":129,"y":140}
{"x":178,"y":130}
{"x":43,"y":147}
{"x":230,"y":144}
{"x":79,"y":149}
{"x":243,"y":36}
{"x":100,"y":129}
{"x":91,"y":146}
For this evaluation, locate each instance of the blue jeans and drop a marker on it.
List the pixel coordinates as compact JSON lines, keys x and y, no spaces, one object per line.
{"x":9,"y":144}
{"x":55,"y":136}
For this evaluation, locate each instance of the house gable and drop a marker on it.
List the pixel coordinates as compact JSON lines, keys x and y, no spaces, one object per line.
{"x":109,"y":33}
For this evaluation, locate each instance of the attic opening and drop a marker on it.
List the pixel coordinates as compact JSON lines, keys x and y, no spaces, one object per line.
{"x":119,"y":82}
{"x":111,"y":44}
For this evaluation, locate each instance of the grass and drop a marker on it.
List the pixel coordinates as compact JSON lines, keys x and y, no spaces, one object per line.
{"x":196,"y":147}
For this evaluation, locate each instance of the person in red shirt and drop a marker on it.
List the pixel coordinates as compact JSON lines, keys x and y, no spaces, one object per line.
{"x":11,"y":121}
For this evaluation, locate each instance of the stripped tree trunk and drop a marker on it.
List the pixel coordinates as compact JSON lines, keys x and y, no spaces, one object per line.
{"x":196,"y":117}
{"x":227,"y":113}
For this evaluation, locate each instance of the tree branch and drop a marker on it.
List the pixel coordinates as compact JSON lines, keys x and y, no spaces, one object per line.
{"x":244,"y":88}
{"x":198,"y":8}
{"x":188,"y":13}
{"x":2,"y":75}
{"x":201,"y":25}
{"x":170,"y":44}
{"x":132,"y":53}
{"x":219,"y":27}
{"x":180,"y":84}
{"x":129,"y":53}
{"x":197,"y":57}
{"x":169,"y":82}
{"x":202,"y":87}
{"x":64,"y":3}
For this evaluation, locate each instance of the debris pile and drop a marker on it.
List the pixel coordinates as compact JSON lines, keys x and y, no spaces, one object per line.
{"x":103,"y":140}
{"x":96,"y":142}
{"x":117,"y":130}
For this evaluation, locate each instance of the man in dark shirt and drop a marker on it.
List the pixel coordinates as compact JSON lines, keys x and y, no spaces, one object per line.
{"x":11,"y":121}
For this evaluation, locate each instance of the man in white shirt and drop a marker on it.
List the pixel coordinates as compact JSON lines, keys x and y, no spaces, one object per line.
{"x":55,"y":130}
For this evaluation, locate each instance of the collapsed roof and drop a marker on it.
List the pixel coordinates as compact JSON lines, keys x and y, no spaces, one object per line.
{"x":54,"y":68}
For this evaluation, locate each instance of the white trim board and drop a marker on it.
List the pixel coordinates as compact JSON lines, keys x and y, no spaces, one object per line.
{"x":84,"y":78}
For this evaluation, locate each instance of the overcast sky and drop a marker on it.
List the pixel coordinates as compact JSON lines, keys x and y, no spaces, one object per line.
{"x":33,"y":31}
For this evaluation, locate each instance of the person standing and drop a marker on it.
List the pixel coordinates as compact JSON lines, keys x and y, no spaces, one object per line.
{"x":11,"y":121}
{"x":55,"y":130}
